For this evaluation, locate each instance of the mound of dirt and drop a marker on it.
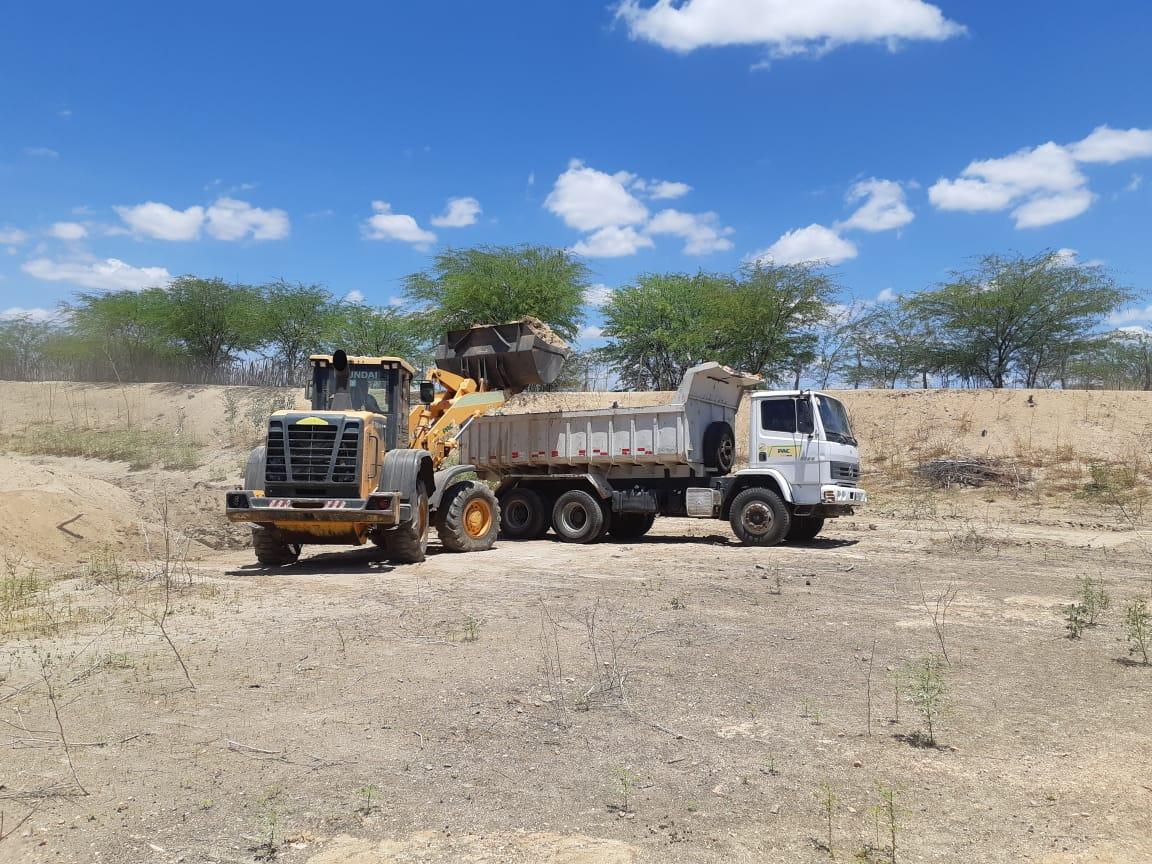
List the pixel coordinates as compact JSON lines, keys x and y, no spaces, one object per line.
{"x":56,"y":511}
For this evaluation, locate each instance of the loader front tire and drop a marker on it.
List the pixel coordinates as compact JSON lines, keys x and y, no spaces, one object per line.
{"x":468,"y":518}
{"x":408,"y":543}
{"x":271,"y":551}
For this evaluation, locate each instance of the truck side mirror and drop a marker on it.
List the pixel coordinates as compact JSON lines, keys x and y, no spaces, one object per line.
{"x":427,"y":392}
{"x":805,"y":424}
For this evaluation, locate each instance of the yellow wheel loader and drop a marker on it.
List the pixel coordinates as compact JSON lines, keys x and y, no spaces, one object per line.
{"x":364,"y":464}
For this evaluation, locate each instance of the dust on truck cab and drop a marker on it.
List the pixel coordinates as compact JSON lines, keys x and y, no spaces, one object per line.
{"x":587,"y":474}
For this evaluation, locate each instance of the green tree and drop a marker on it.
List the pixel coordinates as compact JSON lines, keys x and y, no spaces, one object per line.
{"x":762,"y":320}
{"x":124,"y":329}
{"x":295,"y":320}
{"x":1016,"y":316}
{"x":376,"y":332}
{"x":23,"y":341}
{"x":494,"y":284}
{"x":213,"y":320}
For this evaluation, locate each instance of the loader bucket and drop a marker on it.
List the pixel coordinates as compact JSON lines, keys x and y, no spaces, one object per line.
{"x":507,"y":356}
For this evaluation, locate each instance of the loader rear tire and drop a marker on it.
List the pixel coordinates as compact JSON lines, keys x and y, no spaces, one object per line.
{"x":578,"y":517}
{"x":523,"y":515}
{"x":271,"y":551}
{"x":408,"y":543}
{"x":631,"y":526}
{"x":468,"y":518}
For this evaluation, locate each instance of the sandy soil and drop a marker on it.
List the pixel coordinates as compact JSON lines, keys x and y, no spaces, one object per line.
{"x":677,"y":699}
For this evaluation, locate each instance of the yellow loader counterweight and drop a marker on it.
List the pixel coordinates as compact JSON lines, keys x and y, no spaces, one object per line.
{"x":363,"y":463}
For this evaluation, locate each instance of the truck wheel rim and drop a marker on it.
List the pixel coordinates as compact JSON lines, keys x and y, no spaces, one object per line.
{"x":726,"y":454}
{"x":574,"y":517}
{"x":517,"y":514}
{"x":477,"y":518}
{"x":757,"y":518}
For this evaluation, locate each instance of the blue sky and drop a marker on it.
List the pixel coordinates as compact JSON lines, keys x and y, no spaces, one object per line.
{"x":344,"y":143}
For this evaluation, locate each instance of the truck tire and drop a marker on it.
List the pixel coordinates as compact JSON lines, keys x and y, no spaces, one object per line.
{"x":631,"y":526}
{"x":271,"y":551}
{"x":578,"y":517}
{"x":759,"y":517}
{"x":468,"y":518}
{"x":523,"y":515}
{"x":805,"y":528}
{"x":719,"y":448}
{"x":408,"y":542}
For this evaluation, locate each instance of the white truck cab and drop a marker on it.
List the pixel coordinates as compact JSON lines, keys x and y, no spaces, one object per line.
{"x":803,"y":439}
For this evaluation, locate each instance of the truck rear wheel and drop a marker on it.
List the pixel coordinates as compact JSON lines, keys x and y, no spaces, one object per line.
{"x":805,"y":528}
{"x":468,"y":518}
{"x":271,"y":551}
{"x":631,"y":526}
{"x":578,"y":517}
{"x":523,"y":515}
{"x":408,"y":542}
{"x":759,"y":517}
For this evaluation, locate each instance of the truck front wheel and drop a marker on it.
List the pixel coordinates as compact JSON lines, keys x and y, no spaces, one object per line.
{"x":759,"y":517}
{"x":523,"y":515}
{"x":271,"y":551}
{"x":578,"y":517}
{"x":468,"y":518}
{"x":805,"y":528}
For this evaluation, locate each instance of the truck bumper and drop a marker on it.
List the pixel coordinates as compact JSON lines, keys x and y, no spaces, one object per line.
{"x":838,"y":500}
{"x":382,"y":509}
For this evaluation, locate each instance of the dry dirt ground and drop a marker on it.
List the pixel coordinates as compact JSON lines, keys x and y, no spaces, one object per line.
{"x":682,"y":698}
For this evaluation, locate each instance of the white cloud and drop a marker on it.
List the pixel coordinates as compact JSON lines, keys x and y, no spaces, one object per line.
{"x":884,"y":206}
{"x":386,"y":225}
{"x":41,"y":152}
{"x":12,"y":236}
{"x":886,"y":296}
{"x":666,"y":190}
{"x":38,"y":314}
{"x":702,"y":232}
{"x":588,"y":200}
{"x":395,"y":301}
{"x":613,"y":241}
{"x":1127,"y":316}
{"x":230,"y":219}
{"x":354,"y":297}
{"x":109,"y":274}
{"x":68,"y":231}
{"x":785,"y":26}
{"x":153,"y":219}
{"x":458,"y":213}
{"x":816,"y":243}
{"x":1066,"y":256}
{"x":1110,"y":146}
{"x":1043,"y":185}
{"x":597,"y":295}
{"x":1135,"y":183}
{"x":225,"y":219}
{"x":1052,"y":208}
{"x":590,"y":331}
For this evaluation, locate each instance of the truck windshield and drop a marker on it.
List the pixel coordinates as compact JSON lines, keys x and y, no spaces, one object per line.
{"x":835,"y":420}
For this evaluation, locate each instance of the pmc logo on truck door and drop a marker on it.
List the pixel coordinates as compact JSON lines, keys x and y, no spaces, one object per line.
{"x":780,"y":451}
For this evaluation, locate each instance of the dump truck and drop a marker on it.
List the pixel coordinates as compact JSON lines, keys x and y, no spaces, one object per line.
{"x":585,"y":474}
{"x":363,"y":464}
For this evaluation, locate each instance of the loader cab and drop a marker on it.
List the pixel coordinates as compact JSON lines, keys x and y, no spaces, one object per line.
{"x":377,"y":385}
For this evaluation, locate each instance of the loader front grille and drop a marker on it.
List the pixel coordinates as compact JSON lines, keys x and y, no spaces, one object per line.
{"x":312,"y":455}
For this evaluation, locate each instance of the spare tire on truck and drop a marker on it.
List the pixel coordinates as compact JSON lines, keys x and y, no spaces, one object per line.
{"x":719,"y":448}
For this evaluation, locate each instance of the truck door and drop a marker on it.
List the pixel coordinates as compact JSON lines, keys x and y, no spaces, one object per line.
{"x":777,"y":444}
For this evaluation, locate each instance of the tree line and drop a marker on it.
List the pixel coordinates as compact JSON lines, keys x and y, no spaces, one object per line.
{"x":1033,"y":321}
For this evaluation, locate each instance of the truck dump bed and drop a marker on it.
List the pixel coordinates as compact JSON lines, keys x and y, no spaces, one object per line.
{"x":670,"y":434}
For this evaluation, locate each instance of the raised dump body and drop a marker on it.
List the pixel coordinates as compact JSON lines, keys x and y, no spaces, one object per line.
{"x":688,"y":431}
